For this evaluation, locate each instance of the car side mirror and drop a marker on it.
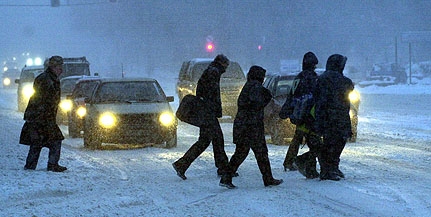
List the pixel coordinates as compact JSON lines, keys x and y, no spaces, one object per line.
{"x":170,"y":98}
{"x":17,"y":81}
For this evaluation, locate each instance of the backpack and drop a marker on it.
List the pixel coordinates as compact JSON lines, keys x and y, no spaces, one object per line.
{"x":297,"y":109}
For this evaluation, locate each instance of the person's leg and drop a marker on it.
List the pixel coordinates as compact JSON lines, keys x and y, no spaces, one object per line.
{"x":32,"y":157}
{"x":220,"y":158}
{"x":182,"y":164}
{"x":261,"y":154}
{"x":328,"y":161}
{"x":54,"y":152}
{"x":54,"y":157}
{"x":240,"y":154}
{"x":293,"y":150}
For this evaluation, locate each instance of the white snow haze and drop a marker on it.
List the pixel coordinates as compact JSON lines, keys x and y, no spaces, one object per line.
{"x":387,"y":169}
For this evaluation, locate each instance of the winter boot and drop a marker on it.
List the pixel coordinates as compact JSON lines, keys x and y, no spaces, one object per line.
{"x":300,"y":164}
{"x":226,"y":181}
{"x":272,"y":182}
{"x":56,"y":168}
{"x":180,"y":171}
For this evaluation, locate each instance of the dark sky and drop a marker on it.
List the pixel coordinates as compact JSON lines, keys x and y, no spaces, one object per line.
{"x":146,"y":36}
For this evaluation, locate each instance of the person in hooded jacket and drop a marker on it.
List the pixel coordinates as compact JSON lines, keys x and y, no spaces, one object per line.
{"x":332,"y":115}
{"x":208,"y":89}
{"x":248,"y":128}
{"x":40,"y":128}
{"x":305,"y":163}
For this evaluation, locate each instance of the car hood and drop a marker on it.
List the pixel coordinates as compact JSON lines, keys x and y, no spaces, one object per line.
{"x":134,"y":108}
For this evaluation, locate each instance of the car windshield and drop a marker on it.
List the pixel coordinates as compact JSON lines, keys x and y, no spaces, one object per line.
{"x":70,"y":69}
{"x":67,"y":85}
{"x":131,"y":91}
{"x":84,"y":89}
{"x":283,"y":86}
{"x":233,"y":71}
{"x":30,"y":75}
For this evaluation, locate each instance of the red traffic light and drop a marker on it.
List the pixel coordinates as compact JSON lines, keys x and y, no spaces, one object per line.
{"x":210,"y":47}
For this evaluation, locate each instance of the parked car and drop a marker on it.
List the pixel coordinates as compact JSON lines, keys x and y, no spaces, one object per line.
{"x":25,"y":85}
{"x":231,"y":82}
{"x":281,"y":130}
{"x":130,"y":111}
{"x":83,"y":89}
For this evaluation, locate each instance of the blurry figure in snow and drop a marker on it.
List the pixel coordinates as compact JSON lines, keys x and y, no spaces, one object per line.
{"x":40,"y":128}
{"x":305,"y":163}
{"x":248,"y":128}
{"x":208,"y":89}
{"x":332,"y":115}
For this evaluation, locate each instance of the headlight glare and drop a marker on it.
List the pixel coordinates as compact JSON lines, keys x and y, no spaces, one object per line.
{"x":6,"y":82}
{"x":107,"y":120}
{"x":166,"y":118}
{"x":66,"y":105}
{"x":354,"y":96}
{"x":27,"y":91}
{"x":81,"y":112}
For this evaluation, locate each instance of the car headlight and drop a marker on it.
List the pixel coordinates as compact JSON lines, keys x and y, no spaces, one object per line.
{"x":6,"y":82}
{"x":66,"y":105}
{"x":107,"y":120}
{"x":81,"y":112}
{"x":166,"y":119}
{"x":27,"y":91}
{"x":354,"y":96}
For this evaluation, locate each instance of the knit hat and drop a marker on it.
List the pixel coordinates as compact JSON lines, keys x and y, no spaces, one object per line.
{"x":55,"y":61}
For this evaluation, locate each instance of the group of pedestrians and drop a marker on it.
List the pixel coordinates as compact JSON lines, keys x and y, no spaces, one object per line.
{"x":326,"y":133}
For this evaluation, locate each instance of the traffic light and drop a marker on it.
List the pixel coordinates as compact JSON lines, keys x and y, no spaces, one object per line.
{"x":55,"y":3}
{"x":209,"y":47}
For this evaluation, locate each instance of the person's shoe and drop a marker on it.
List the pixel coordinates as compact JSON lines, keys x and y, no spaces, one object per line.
{"x":29,"y":168}
{"x":289,"y":168}
{"x":329,"y":176}
{"x":299,"y":164}
{"x":235,"y":174}
{"x":226,"y":181}
{"x":339,"y":173}
{"x":56,"y":168}
{"x":273,"y":182}
{"x":312,"y":173}
{"x":180,"y":172}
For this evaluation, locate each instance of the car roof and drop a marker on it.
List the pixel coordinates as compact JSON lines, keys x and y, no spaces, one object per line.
{"x":198,"y":60}
{"x":75,"y":77}
{"x":126,"y":79}
{"x":282,"y":74}
{"x":33,"y":67}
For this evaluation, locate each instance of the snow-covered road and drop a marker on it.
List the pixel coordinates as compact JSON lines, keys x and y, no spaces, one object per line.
{"x":387,"y":173}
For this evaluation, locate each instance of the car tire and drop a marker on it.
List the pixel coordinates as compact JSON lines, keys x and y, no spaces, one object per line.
{"x":172,"y":143}
{"x":91,"y":138}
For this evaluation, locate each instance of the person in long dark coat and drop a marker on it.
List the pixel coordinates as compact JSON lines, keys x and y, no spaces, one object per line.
{"x":208,"y":89}
{"x":40,"y":128}
{"x":249,"y":130}
{"x":332,"y":115}
{"x":305,"y":163}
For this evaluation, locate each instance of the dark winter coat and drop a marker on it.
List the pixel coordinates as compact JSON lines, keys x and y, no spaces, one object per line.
{"x":40,"y":127}
{"x":332,"y":99}
{"x":248,"y":126}
{"x":208,"y":88}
